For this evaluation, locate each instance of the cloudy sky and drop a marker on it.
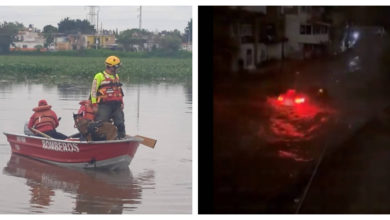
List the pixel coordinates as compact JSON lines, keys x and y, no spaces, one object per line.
{"x":154,"y":18}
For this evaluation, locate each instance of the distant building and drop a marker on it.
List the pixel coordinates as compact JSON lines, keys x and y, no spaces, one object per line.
{"x":61,"y":42}
{"x":186,"y":46}
{"x":82,"y":41}
{"x":258,"y":34}
{"x":99,"y":41}
{"x":28,"y":40}
{"x":307,"y":33}
{"x":77,"y":41}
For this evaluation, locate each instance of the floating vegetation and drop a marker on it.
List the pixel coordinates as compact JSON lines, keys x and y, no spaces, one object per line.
{"x":49,"y":68}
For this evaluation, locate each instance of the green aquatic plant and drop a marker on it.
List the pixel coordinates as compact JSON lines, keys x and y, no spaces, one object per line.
{"x":84,"y":68}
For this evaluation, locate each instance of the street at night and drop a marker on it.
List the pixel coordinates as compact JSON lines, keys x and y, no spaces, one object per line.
{"x":308,"y":135}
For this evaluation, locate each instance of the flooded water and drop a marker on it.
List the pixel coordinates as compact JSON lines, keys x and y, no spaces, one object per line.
{"x":269,"y":145}
{"x":158,"y":180}
{"x":295,"y":122}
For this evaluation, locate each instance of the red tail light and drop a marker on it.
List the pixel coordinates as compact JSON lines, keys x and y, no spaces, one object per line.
{"x":299,"y":100}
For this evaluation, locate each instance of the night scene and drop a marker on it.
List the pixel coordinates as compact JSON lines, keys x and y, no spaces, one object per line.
{"x":301,"y":109}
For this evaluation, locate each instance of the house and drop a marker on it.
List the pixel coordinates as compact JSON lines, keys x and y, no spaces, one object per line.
{"x":186,"y":46}
{"x":77,"y":41}
{"x":307,"y":33}
{"x":246,"y":38}
{"x":255,"y":35}
{"x":61,"y":42}
{"x":236,"y":37}
{"x":144,"y":41}
{"x":28,"y":40}
{"x":99,"y":41}
{"x":82,"y":41}
{"x":272,"y":39}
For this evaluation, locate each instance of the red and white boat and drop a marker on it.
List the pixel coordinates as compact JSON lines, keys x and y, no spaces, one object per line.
{"x":114,"y":154}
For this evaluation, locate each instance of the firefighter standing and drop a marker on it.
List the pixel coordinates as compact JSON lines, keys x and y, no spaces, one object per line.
{"x":107,"y":95}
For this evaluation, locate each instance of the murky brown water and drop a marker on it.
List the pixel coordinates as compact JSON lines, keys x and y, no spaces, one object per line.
{"x":158,"y":180}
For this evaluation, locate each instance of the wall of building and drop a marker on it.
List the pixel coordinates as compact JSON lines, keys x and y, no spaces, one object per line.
{"x":103,"y":40}
{"x":247,"y":57}
{"x":298,"y":38}
{"x":30,"y":45}
{"x":274,"y":51}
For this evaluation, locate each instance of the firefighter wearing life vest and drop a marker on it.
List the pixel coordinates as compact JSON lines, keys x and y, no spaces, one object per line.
{"x":107,"y":95}
{"x":45,"y":120}
{"x":86,"y":110}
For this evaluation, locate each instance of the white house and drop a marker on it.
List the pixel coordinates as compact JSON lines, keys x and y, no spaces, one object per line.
{"x":307,"y":35}
{"x":257,"y":37}
{"x":28,"y":40}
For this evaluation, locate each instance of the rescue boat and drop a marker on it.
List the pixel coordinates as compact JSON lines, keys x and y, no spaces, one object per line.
{"x":113,"y":154}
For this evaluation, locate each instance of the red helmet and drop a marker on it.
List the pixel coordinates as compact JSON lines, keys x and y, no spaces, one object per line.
{"x":42,"y":102}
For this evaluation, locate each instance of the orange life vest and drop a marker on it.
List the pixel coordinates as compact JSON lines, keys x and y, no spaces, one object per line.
{"x":86,"y":110}
{"x":43,"y":117}
{"x":110,"y":90}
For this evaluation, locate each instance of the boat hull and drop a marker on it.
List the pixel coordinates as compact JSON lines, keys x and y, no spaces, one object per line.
{"x":115,"y":154}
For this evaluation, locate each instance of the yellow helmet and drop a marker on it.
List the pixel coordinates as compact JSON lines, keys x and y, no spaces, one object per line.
{"x":113,"y":61}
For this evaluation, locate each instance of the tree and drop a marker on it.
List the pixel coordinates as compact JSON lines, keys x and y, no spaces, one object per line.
{"x":68,"y":26}
{"x":49,"y":32}
{"x":170,"y":42}
{"x":188,"y":32}
{"x":131,"y":38}
{"x":8,"y":31}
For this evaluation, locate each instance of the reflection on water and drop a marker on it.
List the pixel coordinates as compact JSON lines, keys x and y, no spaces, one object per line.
{"x":290,"y":129}
{"x":69,"y":91}
{"x":294,"y":123}
{"x":94,"y":191}
{"x":188,"y":93}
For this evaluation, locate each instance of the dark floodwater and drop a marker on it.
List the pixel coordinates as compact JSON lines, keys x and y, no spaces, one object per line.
{"x":267,"y":154}
{"x":158,"y":180}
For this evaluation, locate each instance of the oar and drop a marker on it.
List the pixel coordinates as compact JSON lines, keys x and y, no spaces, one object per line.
{"x":40,"y":133}
{"x":149,"y":142}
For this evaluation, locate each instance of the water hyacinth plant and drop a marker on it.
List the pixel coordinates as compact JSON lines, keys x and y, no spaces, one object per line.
{"x":35,"y":67}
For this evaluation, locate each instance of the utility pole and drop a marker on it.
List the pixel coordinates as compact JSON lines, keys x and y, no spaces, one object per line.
{"x":92,"y":15}
{"x":93,"y":18}
{"x":138,"y":86}
{"x":97,"y":22}
{"x":140,"y":18}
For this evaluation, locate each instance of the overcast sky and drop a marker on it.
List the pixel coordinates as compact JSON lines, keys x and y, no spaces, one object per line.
{"x":154,"y":18}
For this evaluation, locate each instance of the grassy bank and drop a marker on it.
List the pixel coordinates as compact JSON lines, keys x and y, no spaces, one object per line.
{"x":67,"y":68}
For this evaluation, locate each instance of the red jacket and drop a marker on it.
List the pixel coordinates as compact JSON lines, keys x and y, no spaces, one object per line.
{"x":43,"y":119}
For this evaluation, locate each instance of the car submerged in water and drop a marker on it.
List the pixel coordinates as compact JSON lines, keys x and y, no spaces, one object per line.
{"x":291,"y":98}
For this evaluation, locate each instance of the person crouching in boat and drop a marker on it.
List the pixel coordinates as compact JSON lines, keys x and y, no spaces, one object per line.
{"x":45,"y":120}
{"x":83,"y":118}
{"x":86,"y":110}
{"x":89,"y":129}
